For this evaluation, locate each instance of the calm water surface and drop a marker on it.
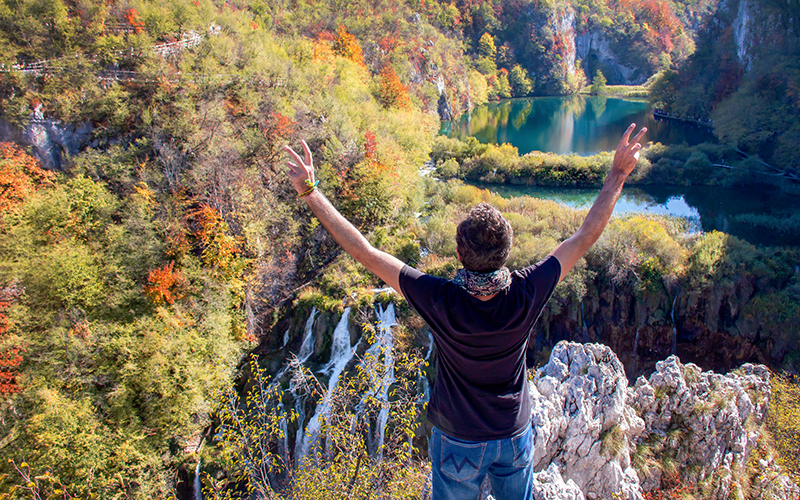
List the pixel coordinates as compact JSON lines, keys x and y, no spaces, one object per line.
{"x":705,"y":208}
{"x":563,"y":125}
{"x":587,"y":125}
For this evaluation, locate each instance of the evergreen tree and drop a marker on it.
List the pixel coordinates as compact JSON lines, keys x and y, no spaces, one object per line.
{"x":598,"y":84}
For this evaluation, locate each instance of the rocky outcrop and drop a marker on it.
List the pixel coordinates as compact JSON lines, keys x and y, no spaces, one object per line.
{"x":581,"y":421}
{"x":679,"y":426}
{"x":704,"y":422}
{"x":49,"y":139}
{"x":596,"y":53}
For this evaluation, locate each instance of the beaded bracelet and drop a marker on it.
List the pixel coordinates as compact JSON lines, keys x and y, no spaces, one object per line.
{"x":312,"y":187}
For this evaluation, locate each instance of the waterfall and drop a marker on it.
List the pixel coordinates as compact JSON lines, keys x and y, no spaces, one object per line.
{"x":585,"y":330}
{"x":307,"y":347}
{"x":386,"y":320}
{"x":674,"y":326}
{"x":285,"y":338}
{"x":198,"y":491}
{"x":341,"y":354}
{"x":299,"y":402}
{"x":283,"y":441}
{"x":425,"y":386}
{"x":636,"y":341}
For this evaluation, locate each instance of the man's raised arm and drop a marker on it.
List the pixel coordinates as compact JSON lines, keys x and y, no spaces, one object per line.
{"x":385,"y":266}
{"x":571,"y":250}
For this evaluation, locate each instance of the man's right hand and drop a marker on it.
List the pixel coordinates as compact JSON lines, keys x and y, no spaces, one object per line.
{"x":627,"y":154}
{"x":301,"y":171}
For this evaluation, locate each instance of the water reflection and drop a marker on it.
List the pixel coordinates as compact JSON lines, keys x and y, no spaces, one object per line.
{"x":572,"y":124}
{"x":704,"y":208}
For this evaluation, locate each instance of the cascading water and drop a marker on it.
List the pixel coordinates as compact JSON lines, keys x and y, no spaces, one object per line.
{"x":386,"y":320}
{"x":306,"y":349}
{"x":285,"y":338}
{"x":198,"y":490}
{"x":283,"y":441}
{"x":674,"y":326}
{"x":341,"y":354}
{"x":636,"y":342}
{"x":585,"y":330}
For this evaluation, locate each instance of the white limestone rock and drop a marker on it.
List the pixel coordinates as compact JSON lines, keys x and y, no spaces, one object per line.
{"x":582,"y":423}
{"x":549,"y":485}
{"x":705,"y":421}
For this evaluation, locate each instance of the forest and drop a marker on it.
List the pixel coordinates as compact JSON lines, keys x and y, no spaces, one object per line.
{"x":154,"y":257}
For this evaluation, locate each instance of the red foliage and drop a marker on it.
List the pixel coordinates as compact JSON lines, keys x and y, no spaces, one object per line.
{"x":672,"y":489}
{"x":278,"y":127}
{"x":370,"y":146}
{"x":325,"y":36}
{"x":20,"y":176}
{"x":388,"y":44}
{"x":253,"y":25}
{"x":166,"y":285}
{"x":132,"y":15}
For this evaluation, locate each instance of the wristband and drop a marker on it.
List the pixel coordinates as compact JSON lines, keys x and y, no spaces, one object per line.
{"x":312,"y":187}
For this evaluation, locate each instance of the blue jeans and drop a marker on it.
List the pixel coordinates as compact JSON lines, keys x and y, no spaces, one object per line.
{"x":460,"y":466}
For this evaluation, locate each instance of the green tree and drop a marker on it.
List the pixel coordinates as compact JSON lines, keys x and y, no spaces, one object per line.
{"x":598,"y":86}
{"x":664,"y":90}
{"x":520,"y":83}
{"x":486,"y":47}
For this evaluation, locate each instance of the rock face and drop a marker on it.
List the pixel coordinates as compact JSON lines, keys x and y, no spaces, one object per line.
{"x":50,"y":139}
{"x":591,"y":429}
{"x":705,"y":419}
{"x":582,"y":423}
{"x":595,"y":51}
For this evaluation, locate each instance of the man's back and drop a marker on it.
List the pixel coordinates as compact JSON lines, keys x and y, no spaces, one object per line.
{"x":480,"y":391}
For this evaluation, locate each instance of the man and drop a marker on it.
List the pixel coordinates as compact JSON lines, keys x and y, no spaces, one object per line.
{"x":481,"y":320}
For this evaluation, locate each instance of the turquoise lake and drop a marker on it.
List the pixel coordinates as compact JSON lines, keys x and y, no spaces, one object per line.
{"x":586,"y":125}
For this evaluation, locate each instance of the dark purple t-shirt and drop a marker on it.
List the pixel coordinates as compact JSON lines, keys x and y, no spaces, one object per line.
{"x":481,"y":388}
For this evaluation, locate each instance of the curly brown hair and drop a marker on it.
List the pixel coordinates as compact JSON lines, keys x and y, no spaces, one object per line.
{"x":484,"y":239}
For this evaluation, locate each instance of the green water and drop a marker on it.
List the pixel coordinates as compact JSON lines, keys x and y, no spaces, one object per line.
{"x":704,"y":208}
{"x":574,"y":124}
{"x":587,"y":125}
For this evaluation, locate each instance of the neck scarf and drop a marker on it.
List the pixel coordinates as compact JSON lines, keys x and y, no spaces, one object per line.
{"x":482,"y":284}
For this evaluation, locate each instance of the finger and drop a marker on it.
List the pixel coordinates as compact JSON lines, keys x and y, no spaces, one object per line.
{"x":627,"y":134}
{"x":636,"y":147}
{"x":294,"y":155}
{"x":640,"y":134}
{"x":309,"y":160}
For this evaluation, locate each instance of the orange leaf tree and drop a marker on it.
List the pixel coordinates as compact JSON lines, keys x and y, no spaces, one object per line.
{"x":347,"y":46}
{"x":392,"y":92}
{"x":20,"y":176}
{"x":10,"y":357}
{"x":165,"y":284}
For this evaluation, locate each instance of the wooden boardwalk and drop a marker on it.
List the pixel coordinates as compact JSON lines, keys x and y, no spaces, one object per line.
{"x":663,"y":115}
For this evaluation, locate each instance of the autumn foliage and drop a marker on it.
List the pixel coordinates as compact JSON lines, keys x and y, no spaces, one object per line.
{"x":392,"y":92}
{"x":220,"y":249}
{"x":165,"y":284}
{"x":20,"y":176}
{"x":10,"y":358}
{"x":132,"y":16}
{"x":347,"y":46}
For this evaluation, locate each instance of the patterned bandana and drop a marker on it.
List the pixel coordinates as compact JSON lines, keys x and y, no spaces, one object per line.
{"x":482,"y":284}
